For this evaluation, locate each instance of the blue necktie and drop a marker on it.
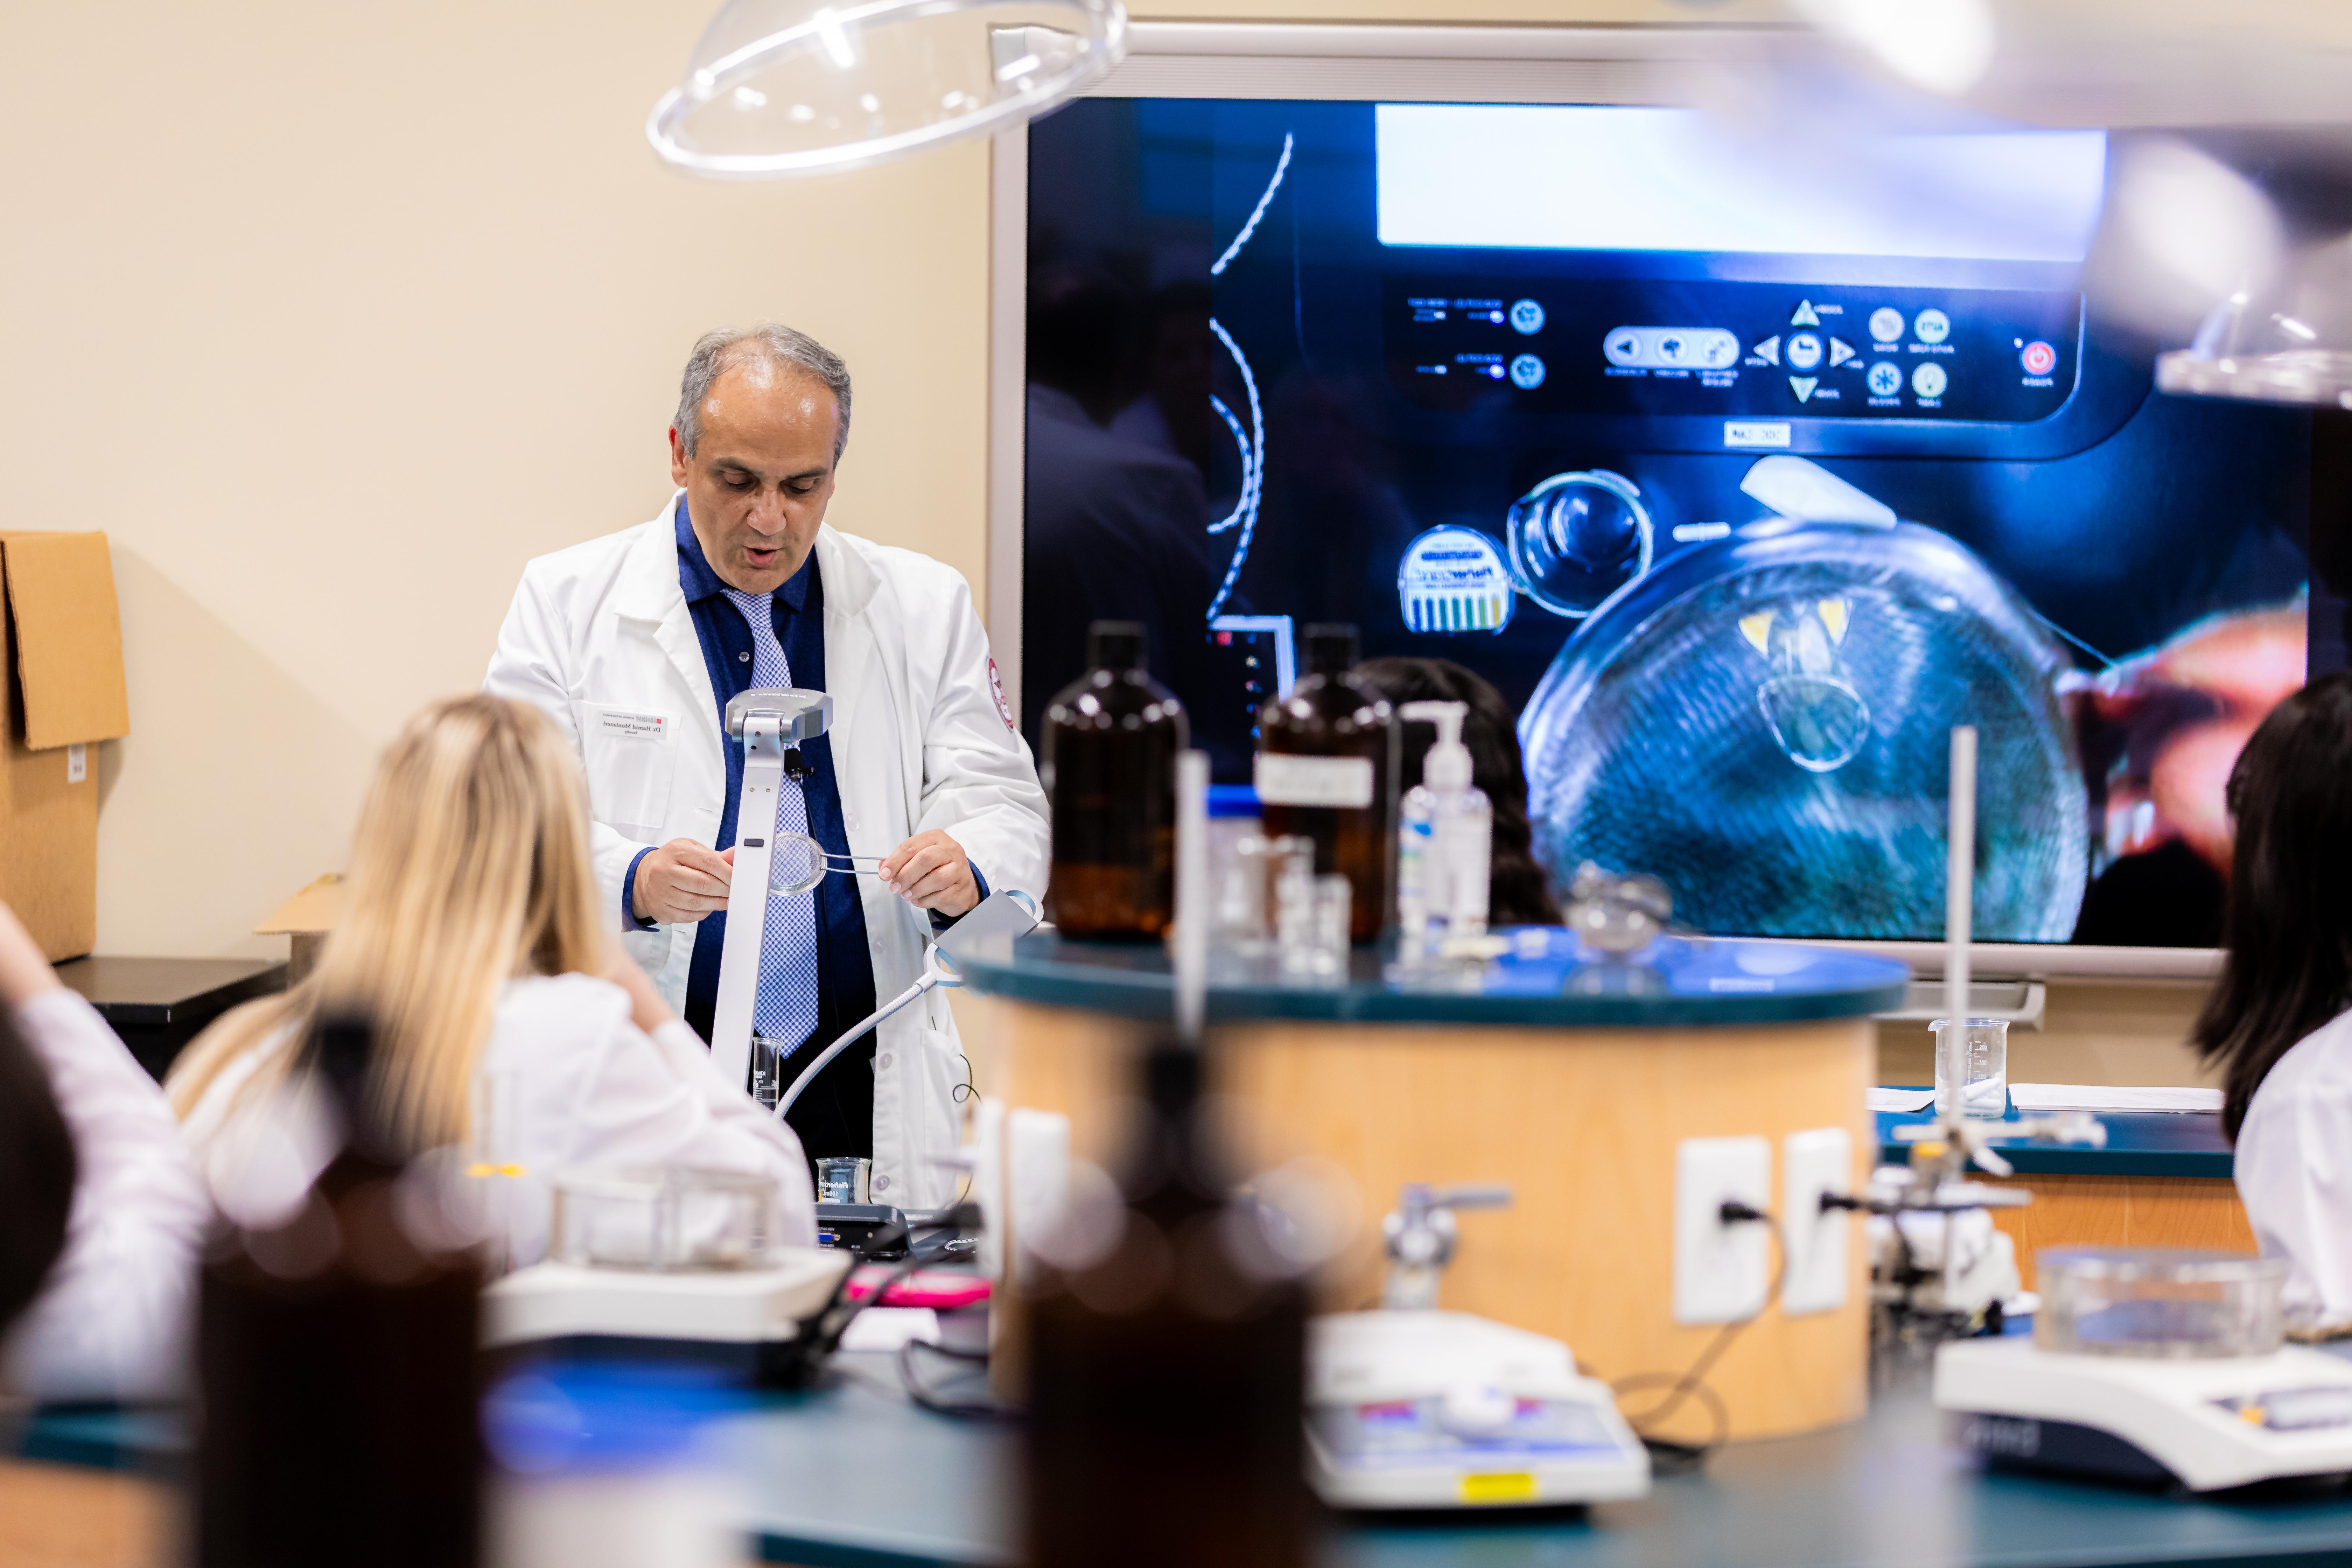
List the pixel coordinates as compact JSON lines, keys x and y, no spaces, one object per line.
{"x":786,"y":1009}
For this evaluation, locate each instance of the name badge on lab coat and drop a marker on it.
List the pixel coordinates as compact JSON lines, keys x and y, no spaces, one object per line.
{"x":615,"y":724}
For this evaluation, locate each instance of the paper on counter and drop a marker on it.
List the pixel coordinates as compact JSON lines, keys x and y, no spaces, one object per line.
{"x":2031,"y":1097}
{"x":1880,"y":1099}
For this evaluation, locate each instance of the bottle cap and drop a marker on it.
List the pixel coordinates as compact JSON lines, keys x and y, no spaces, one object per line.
{"x":1448,"y":767}
{"x":1330,"y":648}
{"x":1115,"y":645}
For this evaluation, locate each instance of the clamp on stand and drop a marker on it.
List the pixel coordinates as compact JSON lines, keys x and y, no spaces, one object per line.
{"x":770,"y":721}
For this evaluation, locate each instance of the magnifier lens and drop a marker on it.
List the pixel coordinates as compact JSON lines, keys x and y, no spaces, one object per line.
{"x":795,"y":864}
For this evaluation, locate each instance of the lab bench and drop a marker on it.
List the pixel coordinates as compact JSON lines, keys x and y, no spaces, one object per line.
{"x":1572,"y":1078}
{"x":852,"y":1475}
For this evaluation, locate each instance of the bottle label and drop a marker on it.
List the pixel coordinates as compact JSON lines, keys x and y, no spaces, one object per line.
{"x":1343,"y":782}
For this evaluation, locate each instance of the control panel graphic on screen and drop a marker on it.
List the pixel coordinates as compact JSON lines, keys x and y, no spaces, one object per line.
{"x":1742,"y":469}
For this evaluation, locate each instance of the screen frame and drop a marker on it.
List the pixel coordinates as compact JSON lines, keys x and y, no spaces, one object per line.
{"x":1422,"y":64}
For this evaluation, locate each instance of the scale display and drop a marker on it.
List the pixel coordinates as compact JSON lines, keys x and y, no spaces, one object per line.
{"x":1742,"y":471}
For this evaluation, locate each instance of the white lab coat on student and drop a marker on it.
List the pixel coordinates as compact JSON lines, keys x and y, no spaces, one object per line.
{"x":2294,"y":1171}
{"x":599,"y":636}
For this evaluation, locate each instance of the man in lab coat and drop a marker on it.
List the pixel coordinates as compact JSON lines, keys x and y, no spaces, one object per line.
{"x":634,"y":643}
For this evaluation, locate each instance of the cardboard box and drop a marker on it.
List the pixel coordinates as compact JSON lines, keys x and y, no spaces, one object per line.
{"x":61,"y":668}
{"x":307,"y":917}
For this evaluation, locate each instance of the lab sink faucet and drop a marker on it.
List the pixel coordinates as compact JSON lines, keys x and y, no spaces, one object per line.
{"x":1420,"y":1235}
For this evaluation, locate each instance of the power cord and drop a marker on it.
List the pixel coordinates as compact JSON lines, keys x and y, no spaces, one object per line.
{"x":1679,"y":1458}
{"x":929,"y":1397}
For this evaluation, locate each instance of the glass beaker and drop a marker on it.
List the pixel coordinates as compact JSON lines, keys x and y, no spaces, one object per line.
{"x":1248,"y":913}
{"x":1972,"y":1068}
{"x":845,"y":1179}
{"x":768,"y":1069}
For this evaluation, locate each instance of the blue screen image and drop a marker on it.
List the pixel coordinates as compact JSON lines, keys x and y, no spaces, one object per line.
{"x":1741,"y":478}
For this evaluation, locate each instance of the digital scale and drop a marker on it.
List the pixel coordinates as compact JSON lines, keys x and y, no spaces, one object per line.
{"x":2157,"y":1368}
{"x":1434,"y":1409}
{"x":762,"y":1306}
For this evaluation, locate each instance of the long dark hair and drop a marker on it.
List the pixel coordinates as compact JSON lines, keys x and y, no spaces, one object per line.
{"x":2288,"y":922}
{"x":1518,"y":893}
{"x":36,"y":1174}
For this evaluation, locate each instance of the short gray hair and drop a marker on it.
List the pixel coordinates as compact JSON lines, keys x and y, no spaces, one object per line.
{"x":722,"y":351}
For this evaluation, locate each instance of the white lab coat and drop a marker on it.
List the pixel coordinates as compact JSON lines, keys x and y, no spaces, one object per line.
{"x":599,"y":636}
{"x":111,"y":1321}
{"x":582,"y":1086}
{"x":2294,"y":1172}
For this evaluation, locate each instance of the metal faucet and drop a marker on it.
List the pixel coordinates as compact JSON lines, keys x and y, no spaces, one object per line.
{"x":1419,"y":1236}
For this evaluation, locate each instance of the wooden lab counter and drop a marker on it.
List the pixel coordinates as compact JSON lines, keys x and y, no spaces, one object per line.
{"x":1571,"y":1080}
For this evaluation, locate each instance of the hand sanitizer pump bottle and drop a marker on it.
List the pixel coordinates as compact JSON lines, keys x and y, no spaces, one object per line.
{"x":1446,"y":834}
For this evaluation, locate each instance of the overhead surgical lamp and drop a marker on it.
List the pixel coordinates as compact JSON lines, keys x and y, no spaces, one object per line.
{"x":783,"y":87}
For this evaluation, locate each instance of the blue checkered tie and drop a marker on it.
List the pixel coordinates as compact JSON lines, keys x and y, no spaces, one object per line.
{"x":786,"y":1008}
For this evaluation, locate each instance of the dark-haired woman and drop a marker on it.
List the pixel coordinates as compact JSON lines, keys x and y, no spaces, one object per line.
{"x":2279,"y":1025}
{"x":1518,"y":893}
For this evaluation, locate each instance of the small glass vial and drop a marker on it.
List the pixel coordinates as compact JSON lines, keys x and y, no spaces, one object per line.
{"x":1972,"y":1068}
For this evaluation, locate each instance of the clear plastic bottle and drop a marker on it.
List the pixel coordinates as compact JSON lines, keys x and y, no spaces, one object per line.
{"x":1446,"y":835}
{"x":1327,"y":767}
{"x":1110,"y":742}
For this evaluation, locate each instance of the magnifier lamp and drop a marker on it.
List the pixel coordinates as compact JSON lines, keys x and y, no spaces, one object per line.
{"x":770,"y":721}
{"x":783,"y":87}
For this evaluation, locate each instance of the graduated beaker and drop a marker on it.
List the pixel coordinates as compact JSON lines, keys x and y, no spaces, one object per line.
{"x":1972,"y":1068}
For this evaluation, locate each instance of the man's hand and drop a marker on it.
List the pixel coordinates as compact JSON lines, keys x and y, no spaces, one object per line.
{"x":930,"y":871}
{"x":680,"y":882}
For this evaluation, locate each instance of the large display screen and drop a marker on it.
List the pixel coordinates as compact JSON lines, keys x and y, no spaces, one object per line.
{"x":1744,"y":474}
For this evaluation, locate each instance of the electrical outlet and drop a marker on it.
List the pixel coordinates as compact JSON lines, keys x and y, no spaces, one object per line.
{"x":1813,"y":1162}
{"x":1720,"y":1269}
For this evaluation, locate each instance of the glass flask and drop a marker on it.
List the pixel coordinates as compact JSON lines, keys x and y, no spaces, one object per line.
{"x":1576,"y":539}
{"x":1110,"y":742}
{"x":779,"y":88}
{"x":1972,"y":1068}
{"x":1763,"y":722}
{"x":2159,"y":1303}
{"x":1327,"y":771}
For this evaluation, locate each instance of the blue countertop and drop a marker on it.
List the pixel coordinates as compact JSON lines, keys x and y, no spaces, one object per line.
{"x":1548,"y":979}
{"x":2180,"y":1143}
{"x":853,"y":1474}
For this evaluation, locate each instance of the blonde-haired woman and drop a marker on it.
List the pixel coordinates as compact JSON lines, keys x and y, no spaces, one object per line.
{"x":470,"y":935}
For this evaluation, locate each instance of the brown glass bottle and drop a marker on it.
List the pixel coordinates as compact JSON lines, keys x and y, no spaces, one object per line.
{"x":1327,"y":771}
{"x":1167,"y":1376}
{"x":336,"y":1360}
{"x":1110,"y":742}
